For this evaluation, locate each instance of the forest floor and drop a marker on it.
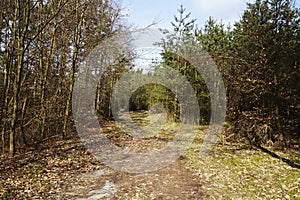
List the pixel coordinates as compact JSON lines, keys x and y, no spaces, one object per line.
{"x":64,"y":169}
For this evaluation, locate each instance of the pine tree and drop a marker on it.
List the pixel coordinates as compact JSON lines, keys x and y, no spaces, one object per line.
{"x":266,"y":67}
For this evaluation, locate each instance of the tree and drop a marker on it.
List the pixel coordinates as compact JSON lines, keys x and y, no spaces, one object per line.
{"x":266,"y":66}
{"x":184,"y":36}
{"x":42,"y":43}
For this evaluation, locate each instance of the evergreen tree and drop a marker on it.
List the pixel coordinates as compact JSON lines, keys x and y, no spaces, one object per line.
{"x":266,"y":66}
{"x":179,"y":40}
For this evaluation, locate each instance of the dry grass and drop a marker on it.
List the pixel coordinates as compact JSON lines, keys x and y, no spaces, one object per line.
{"x":236,"y":171}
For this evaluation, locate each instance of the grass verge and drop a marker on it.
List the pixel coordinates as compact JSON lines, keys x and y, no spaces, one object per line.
{"x":237,"y":171}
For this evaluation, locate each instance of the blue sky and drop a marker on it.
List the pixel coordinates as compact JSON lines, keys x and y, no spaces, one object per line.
{"x":144,"y":12}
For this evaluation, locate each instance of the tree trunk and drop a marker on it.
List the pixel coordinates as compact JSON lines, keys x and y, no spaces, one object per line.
{"x":19,"y":68}
{"x":79,"y":18}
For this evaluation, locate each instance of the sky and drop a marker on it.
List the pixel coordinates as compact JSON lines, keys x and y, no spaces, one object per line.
{"x":144,"y":12}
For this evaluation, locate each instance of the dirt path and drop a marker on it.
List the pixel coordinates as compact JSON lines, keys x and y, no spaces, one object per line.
{"x":173,"y":182}
{"x":75,"y":174}
{"x":64,"y":169}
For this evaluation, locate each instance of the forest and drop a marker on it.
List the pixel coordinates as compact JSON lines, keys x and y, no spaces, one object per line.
{"x":43,"y":43}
